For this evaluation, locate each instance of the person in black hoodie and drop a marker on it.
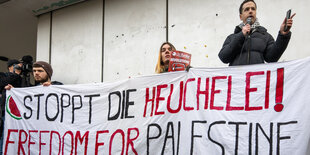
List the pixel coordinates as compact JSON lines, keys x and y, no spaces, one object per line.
{"x":13,"y":78}
{"x":251,"y":43}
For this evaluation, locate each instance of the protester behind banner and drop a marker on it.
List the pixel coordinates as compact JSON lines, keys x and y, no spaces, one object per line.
{"x":42,"y":73}
{"x":165,"y":55}
{"x":251,"y":43}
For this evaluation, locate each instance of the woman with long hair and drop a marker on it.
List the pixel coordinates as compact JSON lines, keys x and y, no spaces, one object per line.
{"x":164,"y":57}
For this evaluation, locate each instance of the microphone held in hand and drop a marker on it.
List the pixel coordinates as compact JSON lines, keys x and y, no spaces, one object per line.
{"x":249,"y":20}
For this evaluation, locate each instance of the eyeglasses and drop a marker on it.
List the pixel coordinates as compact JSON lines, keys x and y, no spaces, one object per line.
{"x":164,"y":49}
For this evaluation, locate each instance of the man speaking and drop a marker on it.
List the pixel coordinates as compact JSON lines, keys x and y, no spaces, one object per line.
{"x":251,"y":43}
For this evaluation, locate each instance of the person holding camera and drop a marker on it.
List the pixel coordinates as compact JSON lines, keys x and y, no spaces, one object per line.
{"x":42,"y":74}
{"x":251,"y":43}
{"x":13,"y":75}
{"x":13,"y":78}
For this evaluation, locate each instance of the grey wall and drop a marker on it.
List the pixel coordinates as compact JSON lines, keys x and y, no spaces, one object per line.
{"x":18,"y":31}
{"x":71,"y":40}
{"x":110,"y":40}
{"x":77,"y":43}
{"x":133,"y":32}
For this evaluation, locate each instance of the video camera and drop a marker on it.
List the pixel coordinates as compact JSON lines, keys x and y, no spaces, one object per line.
{"x":26,"y":68}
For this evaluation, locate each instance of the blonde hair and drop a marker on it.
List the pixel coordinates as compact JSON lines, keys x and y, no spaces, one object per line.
{"x":160,"y":67}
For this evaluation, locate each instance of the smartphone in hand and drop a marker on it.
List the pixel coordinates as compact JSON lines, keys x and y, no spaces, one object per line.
{"x":288,"y":16}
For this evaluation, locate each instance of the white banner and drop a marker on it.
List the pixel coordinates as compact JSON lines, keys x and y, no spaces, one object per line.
{"x":257,"y":109}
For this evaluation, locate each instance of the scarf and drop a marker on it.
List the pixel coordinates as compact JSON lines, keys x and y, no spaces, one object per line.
{"x":253,"y":26}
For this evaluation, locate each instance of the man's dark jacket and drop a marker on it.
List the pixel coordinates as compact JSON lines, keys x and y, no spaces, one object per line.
{"x":6,"y":78}
{"x":235,"y":50}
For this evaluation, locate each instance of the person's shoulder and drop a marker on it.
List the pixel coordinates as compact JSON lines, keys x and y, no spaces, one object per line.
{"x":261,"y":29}
{"x":2,"y":74}
{"x":56,"y":83}
{"x":237,"y":29}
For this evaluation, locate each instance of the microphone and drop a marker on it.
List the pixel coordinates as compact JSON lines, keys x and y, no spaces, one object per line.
{"x":4,"y":58}
{"x":249,"y":20}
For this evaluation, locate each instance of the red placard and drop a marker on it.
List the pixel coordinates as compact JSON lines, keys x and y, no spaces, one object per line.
{"x":179,"y":61}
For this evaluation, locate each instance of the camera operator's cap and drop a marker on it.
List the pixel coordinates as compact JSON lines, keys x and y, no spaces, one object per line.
{"x":47,"y":67}
{"x":13,"y":62}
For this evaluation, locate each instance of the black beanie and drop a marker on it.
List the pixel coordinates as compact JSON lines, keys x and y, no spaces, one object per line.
{"x":12,"y":62}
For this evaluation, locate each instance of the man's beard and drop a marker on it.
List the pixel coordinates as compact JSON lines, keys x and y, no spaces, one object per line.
{"x":45,"y":79}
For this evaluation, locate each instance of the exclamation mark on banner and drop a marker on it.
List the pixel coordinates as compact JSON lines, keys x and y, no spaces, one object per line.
{"x":279,"y":90}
